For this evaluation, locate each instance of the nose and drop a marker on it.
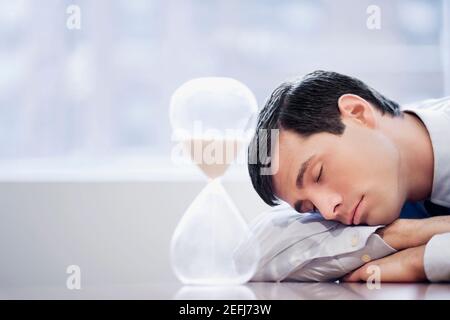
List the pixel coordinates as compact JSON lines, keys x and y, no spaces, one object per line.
{"x":328,"y":203}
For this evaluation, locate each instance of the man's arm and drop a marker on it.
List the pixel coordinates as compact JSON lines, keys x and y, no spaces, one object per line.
{"x":419,"y":257}
{"x":409,"y":233}
{"x":403,"y":266}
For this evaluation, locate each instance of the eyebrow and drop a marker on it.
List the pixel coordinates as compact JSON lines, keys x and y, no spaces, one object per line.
{"x":301,"y":173}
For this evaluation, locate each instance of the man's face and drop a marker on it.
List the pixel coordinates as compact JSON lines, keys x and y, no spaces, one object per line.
{"x":352,"y":178}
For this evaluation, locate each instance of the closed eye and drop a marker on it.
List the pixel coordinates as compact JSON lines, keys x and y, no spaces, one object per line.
{"x":320,"y":174}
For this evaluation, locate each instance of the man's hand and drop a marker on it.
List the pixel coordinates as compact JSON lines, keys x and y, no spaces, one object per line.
{"x":409,"y":236}
{"x":408,"y":233}
{"x":403,"y":266}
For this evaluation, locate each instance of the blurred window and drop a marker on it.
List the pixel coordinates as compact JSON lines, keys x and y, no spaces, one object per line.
{"x":104,"y":90}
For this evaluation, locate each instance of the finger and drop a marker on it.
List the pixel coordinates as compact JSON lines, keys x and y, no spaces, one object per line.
{"x":353,"y":276}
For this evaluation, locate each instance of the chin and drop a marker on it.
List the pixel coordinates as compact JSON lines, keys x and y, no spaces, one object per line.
{"x":378,"y":219}
{"x":388,"y":220}
{"x":384,"y":214}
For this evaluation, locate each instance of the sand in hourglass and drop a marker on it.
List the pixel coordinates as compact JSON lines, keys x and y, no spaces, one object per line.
{"x":213,"y":156}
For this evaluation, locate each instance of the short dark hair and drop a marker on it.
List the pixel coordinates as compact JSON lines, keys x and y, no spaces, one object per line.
{"x":306,"y":106}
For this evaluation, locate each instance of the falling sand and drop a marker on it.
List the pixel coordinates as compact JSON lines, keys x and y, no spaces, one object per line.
{"x":213,"y":156}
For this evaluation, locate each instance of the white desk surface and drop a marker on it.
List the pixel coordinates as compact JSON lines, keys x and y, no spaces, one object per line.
{"x":251,"y":291}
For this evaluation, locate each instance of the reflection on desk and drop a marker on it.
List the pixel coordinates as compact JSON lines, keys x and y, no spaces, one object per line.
{"x":249,"y":291}
{"x":316,"y":291}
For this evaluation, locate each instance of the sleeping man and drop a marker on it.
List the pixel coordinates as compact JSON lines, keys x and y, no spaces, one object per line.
{"x":354,"y":162}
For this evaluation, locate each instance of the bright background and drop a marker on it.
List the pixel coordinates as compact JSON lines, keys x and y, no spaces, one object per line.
{"x":85,"y":140}
{"x":99,"y":96}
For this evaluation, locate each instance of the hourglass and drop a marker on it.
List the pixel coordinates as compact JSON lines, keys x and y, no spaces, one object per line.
{"x":210,"y":117}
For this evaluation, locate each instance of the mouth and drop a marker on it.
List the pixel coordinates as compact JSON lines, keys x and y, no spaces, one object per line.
{"x":355,"y":216}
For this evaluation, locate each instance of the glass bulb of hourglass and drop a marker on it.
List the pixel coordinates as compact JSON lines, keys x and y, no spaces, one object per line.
{"x":209,"y":117}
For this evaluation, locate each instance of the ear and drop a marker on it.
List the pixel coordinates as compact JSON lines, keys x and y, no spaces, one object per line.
{"x":353,"y":107}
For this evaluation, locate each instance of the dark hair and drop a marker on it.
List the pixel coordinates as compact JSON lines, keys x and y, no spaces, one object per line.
{"x":306,"y":106}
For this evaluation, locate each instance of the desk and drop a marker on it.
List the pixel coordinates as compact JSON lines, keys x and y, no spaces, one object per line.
{"x":251,"y":291}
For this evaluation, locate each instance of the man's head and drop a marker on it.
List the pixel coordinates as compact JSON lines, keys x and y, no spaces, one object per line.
{"x":332,"y":155}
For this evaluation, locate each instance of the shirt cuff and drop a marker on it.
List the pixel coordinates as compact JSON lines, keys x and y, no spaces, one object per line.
{"x":437,"y":258}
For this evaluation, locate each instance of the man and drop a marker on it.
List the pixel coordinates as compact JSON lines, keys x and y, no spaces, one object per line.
{"x":353,"y":155}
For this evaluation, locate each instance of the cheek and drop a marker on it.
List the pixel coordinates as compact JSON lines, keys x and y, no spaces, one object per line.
{"x":364,"y":161}
{"x":370,"y":165}
{"x":383,"y":175}
{"x":378,"y":159}
{"x":384,"y":170}
{"x":382,"y":182}
{"x":350,"y":168}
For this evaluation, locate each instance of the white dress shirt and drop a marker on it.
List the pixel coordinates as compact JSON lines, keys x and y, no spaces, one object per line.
{"x":435,"y":114}
{"x":306,"y":247}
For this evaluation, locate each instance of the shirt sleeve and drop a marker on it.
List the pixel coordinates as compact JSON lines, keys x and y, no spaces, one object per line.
{"x":335,"y":267}
{"x":437,"y":258}
{"x":293,"y":247}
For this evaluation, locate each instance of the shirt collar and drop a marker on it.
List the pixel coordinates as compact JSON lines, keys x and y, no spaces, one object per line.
{"x":437,"y":122}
